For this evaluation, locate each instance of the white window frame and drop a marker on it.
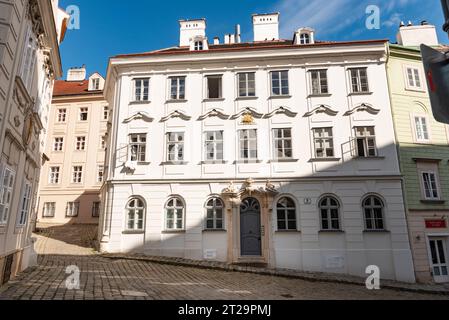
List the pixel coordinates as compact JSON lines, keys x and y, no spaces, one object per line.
{"x":220,"y":87}
{"x":248,"y":91}
{"x":72,"y":209}
{"x":77,"y":175}
{"x":216,"y":201}
{"x":329,"y":207}
{"x":61,"y":116}
{"x":417,"y":78}
{"x":323,"y":89}
{"x":305,"y":38}
{"x":359,"y":80}
{"x":140,"y":146}
{"x":373,"y":219}
{"x":284,"y":211}
{"x":6,"y":192}
{"x":96,"y":84}
{"x":105,"y":113}
{"x":366,"y":139}
{"x":135,"y":220}
{"x":283,"y":141}
{"x":213,"y":145}
{"x":80,"y":144}
{"x":29,"y":58}
{"x":49,"y":206}
{"x":54,"y":175}
{"x":83,"y":110}
{"x":103,"y":140}
{"x":198,"y":45}
{"x":58,"y":144}
{"x":100,"y":173}
{"x":178,"y":145}
{"x":322,"y":139}
{"x":144,"y":93}
{"x":177,"y":86}
{"x":423,"y":184}
{"x":251,"y":142}
{"x":178,"y":204}
{"x":25,"y":204}
{"x":283,"y":91}
{"x":413,"y":119}
{"x":96,"y":205}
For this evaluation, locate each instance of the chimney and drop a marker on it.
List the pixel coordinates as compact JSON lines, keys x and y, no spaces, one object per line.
{"x":414,"y":36}
{"x":266,"y":27}
{"x":76,"y":74}
{"x":238,"y":34}
{"x":216,"y":40}
{"x":190,"y":29}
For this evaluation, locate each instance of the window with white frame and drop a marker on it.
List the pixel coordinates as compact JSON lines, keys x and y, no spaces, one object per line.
{"x":214,"y":146}
{"x":373,"y":208}
{"x":62,"y":115}
{"x":72,"y":209}
{"x":49,"y":210}
{"x":214,"y":214}
{"x":174,"y":214}
{"x":105,"y":113}
{"x":103,"y":142}
{"x":142,"y":89}
{"x":84,"y":114}
{"x":6,"y":192}
{"x":324,"y":143}
{"x":319,"y":82}
{"x":248,"y":144}
{"x":25,"y":204}
{"x":247,"y":84}
{"x":304,"y":38}
{"x":366,"y":142}
{"x":29,"y":58}
{"x":96,"y":84}
{"x":77,"y":174}
{"x":214,"y":87}
{"x":286,"y":214}
{"x":138,"y":147}
{"x":175,"y":146}
{"x":135,"y":213}
{"x":279,"y":83}
{"x":58,"y":144}
{"x":429,"y":182}
{"x":359,"y":80}
{"x":177,"y":88}
{"x":80,"y":143}
{"x":421,"y":129}
{"x":100,"y":174}
{"x":54,"y":175}
{"x":413,"y":78}
{"x":96,"y":209}
{"x":330,"y":214}
{"x":198,"y":46}
{"x":283,"y":145}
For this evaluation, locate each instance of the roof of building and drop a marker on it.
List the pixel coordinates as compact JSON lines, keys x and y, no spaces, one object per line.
{"x":72,"y":88}
{"x":247,"y":46}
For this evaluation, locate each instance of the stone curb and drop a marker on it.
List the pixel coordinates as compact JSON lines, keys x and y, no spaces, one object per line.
{"x":312,"y":277}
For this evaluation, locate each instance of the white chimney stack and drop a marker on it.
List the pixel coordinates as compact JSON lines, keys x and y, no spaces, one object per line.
{"x":414,"y":36}
{"x":266,"y":27}
{"x":76,"y":74}
{"x":190,"y":29}
{"x":216,"y":40}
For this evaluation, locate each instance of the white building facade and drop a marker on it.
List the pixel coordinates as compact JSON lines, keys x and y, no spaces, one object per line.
{"x":274,"y":152}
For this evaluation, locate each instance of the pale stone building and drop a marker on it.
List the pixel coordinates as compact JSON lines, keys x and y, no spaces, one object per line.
{"x":30,"y":34}
{"x":76,"y":143}
{"x":423,"y":146}
{"x":275,"y":152}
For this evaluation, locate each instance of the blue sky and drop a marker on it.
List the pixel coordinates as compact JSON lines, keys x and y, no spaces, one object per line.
{"x":112,"y":27}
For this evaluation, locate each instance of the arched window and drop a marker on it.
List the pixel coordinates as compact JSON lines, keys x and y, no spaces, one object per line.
{"x":174,"y":214}
{"x":214,"y":214}
{"x":286,"y":214}
{"x":198,"y":45}
{"x":135,"y":215}
{"x":373,"y":208}
{"x":305,"y":38}
{"x":330,"y":214}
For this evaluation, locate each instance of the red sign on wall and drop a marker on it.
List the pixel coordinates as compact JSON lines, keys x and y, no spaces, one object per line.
{"x":436,"y":224}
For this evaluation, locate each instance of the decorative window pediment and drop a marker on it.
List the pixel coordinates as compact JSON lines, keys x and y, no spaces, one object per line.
{"x":281,"y":110}
{"x":322,"y":109}
{"x":139,"y":116}
{"x":248,"y":111}
{"x":214,"y":113}
{"x":176,"y":114}
{"x":364,"y":107}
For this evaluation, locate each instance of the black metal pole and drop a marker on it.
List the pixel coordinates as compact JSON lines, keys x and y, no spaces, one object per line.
{"x":445,"y":4}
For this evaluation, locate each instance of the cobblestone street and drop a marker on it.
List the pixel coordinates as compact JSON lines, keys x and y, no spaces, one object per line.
{"x":106,"y":278}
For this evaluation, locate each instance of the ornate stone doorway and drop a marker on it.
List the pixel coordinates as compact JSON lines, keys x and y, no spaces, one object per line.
{"x":250,"y":228}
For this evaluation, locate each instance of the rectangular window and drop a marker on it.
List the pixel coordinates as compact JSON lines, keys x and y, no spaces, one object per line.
{"x":6,"y":191}
{"x":177,"y":88}
{"x":175,"y":146}
{"x":72,"y":209}
{"x":319,"y":82}
{"x":214,"y":90}
{"x":96,"y":84}
{"x":49,"y":210}
{"x":80,"y":143}
{"x":100,"y":174}
{"x":138,"y":147}
{"x":366,"y":142}
{"x":103,"y":142}
{"x":142,"y":89}
{"x":283,"y":143}
{"x":430,"y":184}
{"x":214,"y":145}
{"x":29,"y":59}
{"x":96,"y":209}
{"x":84,"y":113}
{"x":77,"y":175}
{"x":25,"y":204}
{"x":58,"y":144}
{"x":248,"y":144}
{"x":413,"y":78}
{"x":247,"y":84}
{"x":421,"y":129}
{"x":62,"y":115}
{"x":359,"y":80}
{"x":323,"y":142}
{"x":54,"y":175}
{"x":105,"y":113}
{"x":279,"y":83}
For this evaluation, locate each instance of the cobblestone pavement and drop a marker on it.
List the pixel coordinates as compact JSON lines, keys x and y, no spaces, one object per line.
{"x":111,"y":279}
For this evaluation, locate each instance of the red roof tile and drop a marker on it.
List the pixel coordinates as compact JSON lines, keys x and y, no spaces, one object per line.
{"x":72,"y":88}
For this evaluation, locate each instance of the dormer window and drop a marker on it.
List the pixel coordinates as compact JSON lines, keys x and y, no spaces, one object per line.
{"x":199,"y":46}
{"x":96,"y":84}
{"x":304,"y":38}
